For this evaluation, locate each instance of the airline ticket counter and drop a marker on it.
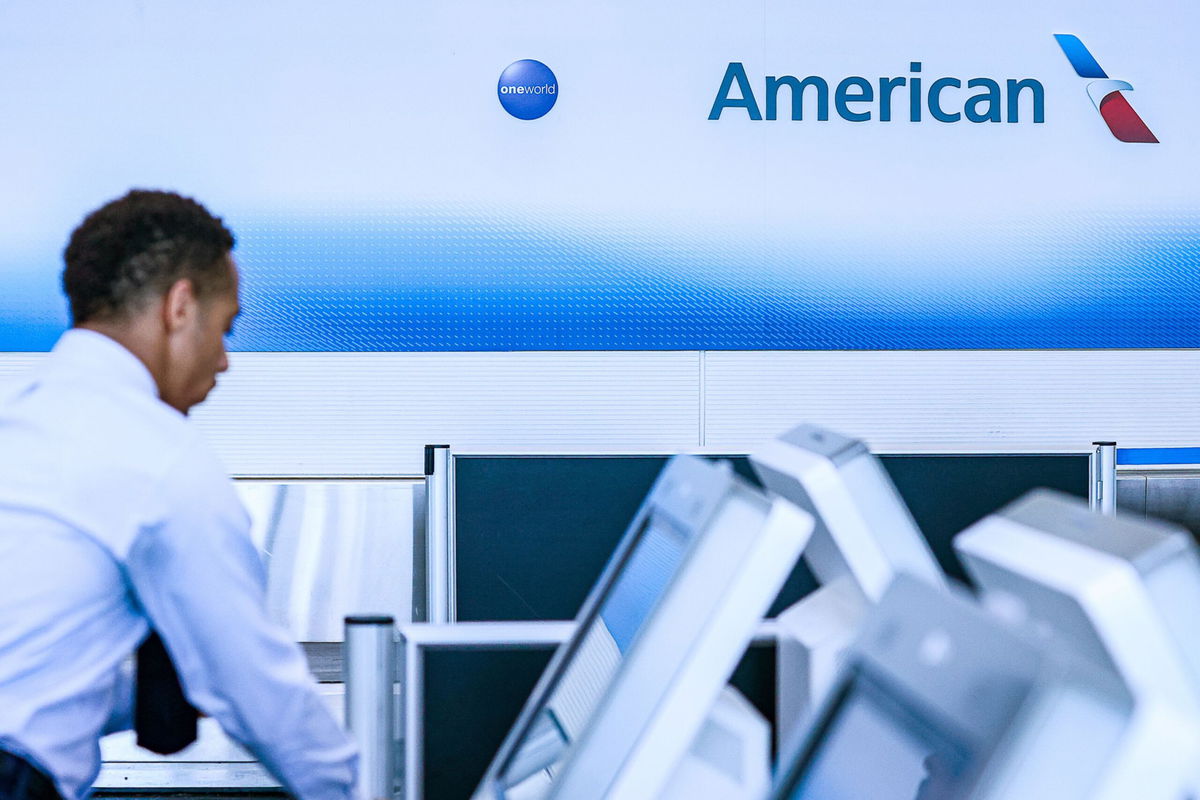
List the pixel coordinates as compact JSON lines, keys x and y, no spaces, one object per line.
{"x":1071,"y":669}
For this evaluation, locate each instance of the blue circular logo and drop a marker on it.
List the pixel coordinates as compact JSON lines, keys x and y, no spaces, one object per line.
{"x":527,"y":89}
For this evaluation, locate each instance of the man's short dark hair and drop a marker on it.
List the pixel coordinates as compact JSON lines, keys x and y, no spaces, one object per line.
{"x":134,"y":248}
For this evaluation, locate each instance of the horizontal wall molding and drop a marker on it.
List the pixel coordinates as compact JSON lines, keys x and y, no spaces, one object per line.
{"x":13,"y":364}
{"x":999,"y":400}
{"x":370,"y":414}
{"x":367,"y":414}
{"x":373,"y":413}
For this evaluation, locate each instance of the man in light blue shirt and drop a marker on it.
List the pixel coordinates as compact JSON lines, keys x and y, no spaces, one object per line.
{"x":117,"y":519}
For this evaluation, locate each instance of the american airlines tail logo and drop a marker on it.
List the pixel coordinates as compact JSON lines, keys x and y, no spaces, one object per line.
{"x":1118,"y":114}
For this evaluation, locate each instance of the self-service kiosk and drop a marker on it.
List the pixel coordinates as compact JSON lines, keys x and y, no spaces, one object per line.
{"x":863,"y":537}
{"x":634,"y":705}
{"x":1121,"y":591}
{"x":940,"y":700}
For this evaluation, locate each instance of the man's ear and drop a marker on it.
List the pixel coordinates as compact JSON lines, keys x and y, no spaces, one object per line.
{"x":179,"y":305}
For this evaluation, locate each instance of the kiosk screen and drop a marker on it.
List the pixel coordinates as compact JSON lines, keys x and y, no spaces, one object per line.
{"x":871,"y":746}
{"x":581,"y":684}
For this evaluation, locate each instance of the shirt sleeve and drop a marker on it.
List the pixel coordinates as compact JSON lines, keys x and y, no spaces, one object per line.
{"x":203,"y":586}
{"x":121,"y":717}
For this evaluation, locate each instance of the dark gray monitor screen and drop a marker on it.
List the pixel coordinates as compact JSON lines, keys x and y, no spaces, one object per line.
{"x":596,"y":655}
{"x":872,"y":747}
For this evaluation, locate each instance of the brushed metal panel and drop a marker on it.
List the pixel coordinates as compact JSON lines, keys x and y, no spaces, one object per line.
{"x":1131,"y":494}
{"x":333,"y":548}
{"x":212,"y":761}
{"x":172,"y":777}
{"x":363,"y":414}
{"x":324,"y":660}
{"x":420,"y":547}
{"x":1175,"y":498}
{"x":1010,"y":401}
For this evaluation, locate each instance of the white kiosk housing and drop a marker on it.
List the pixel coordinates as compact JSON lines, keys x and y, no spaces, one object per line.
{"x":619,"y":711}
{"x":1122,"y":591}
{"x":939,"y":700}
{"x":863,"y":537}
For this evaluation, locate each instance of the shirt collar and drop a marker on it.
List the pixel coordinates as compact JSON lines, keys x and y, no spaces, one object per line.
{"x":94,"y":352}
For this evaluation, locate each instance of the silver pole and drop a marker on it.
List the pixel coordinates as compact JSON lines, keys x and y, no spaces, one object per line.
{"x":437,"y":532}
{"x":370,"y":675}
{"x":1102,"y":495}
{"x":412,"y":715}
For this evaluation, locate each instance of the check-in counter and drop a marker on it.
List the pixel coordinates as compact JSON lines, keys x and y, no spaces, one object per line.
{"x":213,"y":763}
{"x":332,"y":548}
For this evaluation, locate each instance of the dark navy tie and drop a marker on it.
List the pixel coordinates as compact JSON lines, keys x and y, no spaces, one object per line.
{"x":163,"y":718}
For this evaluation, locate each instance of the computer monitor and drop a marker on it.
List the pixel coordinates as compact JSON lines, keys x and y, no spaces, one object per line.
{"x":863,"y":537}
{"x":1121,"y":590}
{"x":938,"y":700}
{"x":622,"y":701}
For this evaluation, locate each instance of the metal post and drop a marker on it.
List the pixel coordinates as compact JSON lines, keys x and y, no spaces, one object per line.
{"x":1102,"y":494}
{"x":437,"y":532}
{"x":370,"y":675}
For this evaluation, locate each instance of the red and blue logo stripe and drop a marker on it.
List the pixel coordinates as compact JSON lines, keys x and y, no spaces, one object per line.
{"x":1106,"y":93}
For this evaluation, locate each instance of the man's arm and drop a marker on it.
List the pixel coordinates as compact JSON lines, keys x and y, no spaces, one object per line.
{"x":202,"y":585}
{"x":121,"y":718}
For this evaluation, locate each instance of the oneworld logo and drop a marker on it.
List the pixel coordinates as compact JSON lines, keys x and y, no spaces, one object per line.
{"x":527,"y":89}
{"x":858,"y":99}
{"x":1114,"y":108}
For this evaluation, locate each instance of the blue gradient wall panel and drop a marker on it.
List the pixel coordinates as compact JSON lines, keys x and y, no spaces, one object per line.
{"x":385,"y":200}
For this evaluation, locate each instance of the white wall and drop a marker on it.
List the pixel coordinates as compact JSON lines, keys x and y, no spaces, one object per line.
{"x":289,"y":414}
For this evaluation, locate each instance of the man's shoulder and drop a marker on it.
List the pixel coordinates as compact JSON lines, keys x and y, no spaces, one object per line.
{"x":164,"y":446}
{"x":146,"y":428}
{"x":101,"y":425}
{"x":106,"y":460}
